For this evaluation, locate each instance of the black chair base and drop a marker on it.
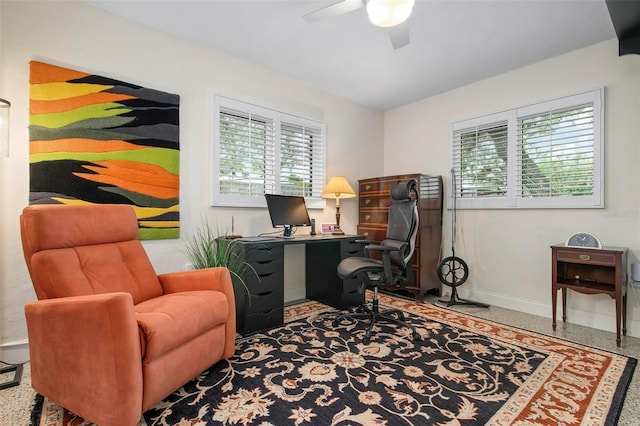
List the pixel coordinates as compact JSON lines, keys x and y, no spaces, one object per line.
{"x":374,"y":316}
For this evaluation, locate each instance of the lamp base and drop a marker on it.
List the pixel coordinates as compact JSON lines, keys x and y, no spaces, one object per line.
{"x":337,"y":231}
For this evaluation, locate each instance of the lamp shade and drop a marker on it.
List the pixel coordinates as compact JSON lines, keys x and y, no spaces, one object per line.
{"x":338,"y":187}
{"x":388,"y":13}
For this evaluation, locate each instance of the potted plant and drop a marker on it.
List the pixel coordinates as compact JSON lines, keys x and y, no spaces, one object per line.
{"x":209,"y":248}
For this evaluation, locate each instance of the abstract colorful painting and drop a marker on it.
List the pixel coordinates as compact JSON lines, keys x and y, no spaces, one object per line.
{"x":96,"y":140}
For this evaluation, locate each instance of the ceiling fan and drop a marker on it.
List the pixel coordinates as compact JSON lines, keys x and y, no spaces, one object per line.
{"x":390,"y":14}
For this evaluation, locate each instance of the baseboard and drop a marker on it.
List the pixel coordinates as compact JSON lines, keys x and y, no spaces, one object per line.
{"x":15,"y":352}
{"x":576,"y":316}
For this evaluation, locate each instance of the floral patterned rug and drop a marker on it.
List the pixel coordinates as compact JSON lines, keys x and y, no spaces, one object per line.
{"x":464,"y":371}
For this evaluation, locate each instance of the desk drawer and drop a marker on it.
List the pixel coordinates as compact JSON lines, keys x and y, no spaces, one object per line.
{"x":265,"y":301}
{"x":265,"y":320}
{"x":350,"y":248}
{"x":265,"y":281}
{"x":351,"y":286}
{"x":263,"y":254}
{"x":587,"y":257}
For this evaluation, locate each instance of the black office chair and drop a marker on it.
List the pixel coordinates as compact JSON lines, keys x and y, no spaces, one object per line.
{"x":395,"y":267}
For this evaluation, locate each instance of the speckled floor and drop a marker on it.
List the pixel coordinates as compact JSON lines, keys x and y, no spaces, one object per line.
{"x":15,"y":402}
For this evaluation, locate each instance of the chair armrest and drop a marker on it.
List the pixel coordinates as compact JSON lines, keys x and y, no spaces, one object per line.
{"x":83,"y":347}
{"x":366,"y":244}
{"x":382,"y":248}
{"x":386,"y":258}
{"x":367,"y":241}
{"x":212,"y":279}
{"x":216,"y":279}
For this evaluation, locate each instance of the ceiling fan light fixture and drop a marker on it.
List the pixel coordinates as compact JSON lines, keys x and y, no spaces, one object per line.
{"x":389,"y":13}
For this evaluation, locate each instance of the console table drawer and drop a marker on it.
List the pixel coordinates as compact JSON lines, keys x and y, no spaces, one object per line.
{"x":594,"y":257}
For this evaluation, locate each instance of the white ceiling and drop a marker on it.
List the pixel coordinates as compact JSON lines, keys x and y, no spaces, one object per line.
{"x":453,"y":42}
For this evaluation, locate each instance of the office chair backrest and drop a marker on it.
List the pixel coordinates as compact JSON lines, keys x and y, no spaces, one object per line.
{"x":402,"y":227}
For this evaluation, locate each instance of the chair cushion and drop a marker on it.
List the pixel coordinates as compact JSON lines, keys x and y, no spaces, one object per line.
{"x":169,"y":321}
{"x":352,"y":266}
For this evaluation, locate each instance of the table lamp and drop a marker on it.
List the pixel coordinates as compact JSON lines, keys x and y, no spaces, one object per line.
{"x":338,"y":188}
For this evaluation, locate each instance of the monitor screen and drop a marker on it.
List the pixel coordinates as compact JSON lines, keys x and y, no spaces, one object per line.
{"x":287,"y":211}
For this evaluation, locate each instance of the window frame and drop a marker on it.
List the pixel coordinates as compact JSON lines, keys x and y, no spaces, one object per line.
{"x":220,"y":104}
{"x":513,"y":198}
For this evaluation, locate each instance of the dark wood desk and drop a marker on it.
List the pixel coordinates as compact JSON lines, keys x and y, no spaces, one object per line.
{"x":323,"y":253}
{"x":590,"y":271}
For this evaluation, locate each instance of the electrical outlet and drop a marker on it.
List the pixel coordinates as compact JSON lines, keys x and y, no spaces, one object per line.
{"x":188,"y":266}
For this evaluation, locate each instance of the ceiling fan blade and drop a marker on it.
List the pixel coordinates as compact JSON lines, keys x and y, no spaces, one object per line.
{"x":335,"y":9}
{"x":399,"y":35}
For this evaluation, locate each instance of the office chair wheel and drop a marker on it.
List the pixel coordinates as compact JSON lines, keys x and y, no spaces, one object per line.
{"x":453,"y":271}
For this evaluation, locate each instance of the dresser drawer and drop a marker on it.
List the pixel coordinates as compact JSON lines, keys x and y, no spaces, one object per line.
{"x":378,"y":217}
{"x":374,"y":202}
{"x":375,"y":234}
{"x":380,"y":186}
{"x":588,"y":257}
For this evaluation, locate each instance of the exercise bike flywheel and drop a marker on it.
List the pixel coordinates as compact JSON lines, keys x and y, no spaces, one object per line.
{"x":453,"y":271}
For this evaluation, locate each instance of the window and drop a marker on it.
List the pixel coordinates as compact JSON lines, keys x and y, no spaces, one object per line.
{"x":259,"y":151}
{"x":547,"y":155}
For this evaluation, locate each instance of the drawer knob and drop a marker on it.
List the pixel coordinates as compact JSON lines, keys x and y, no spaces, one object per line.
{"x":367,"y":217}
{"x":368,"y":187}
{"x":367,"y":201}
{"x":366,"y":234}
{"x":585,"y":257}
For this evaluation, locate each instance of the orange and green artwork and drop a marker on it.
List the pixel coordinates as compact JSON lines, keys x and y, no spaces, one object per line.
{"x":96,"y":140}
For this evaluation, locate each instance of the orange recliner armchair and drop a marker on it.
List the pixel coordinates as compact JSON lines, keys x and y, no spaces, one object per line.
{"x":108,"y":338}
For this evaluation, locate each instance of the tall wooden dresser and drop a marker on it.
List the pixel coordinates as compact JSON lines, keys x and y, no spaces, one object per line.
{"x":374,"y":201}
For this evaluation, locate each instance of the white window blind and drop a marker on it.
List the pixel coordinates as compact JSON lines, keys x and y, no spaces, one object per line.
{"x":301,"y":154}
{"x":555,"y":153}
{"x":259,"y":151}
{"x":546,"y":155}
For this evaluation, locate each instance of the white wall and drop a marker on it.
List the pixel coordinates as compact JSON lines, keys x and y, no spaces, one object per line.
{"x":77,"y":36}
{"x":508,"y":250}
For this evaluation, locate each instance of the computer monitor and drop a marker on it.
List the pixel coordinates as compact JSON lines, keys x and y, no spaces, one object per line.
{"x":287,"y":211}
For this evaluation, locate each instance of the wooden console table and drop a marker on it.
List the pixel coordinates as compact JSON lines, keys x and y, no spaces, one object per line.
{"x":590,"y":271}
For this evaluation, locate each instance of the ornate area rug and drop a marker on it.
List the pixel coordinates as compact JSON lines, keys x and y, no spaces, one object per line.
{"x":464,"y":371}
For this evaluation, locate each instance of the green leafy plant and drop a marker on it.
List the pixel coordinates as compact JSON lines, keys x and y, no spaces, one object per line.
{"x":208,"y":248}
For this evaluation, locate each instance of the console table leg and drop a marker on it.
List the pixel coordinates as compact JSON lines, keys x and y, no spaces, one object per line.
{"x":618,"y":316}
{"x":624,"y":315}
{"x":554,"y":300}
{"x":564,"y":305}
